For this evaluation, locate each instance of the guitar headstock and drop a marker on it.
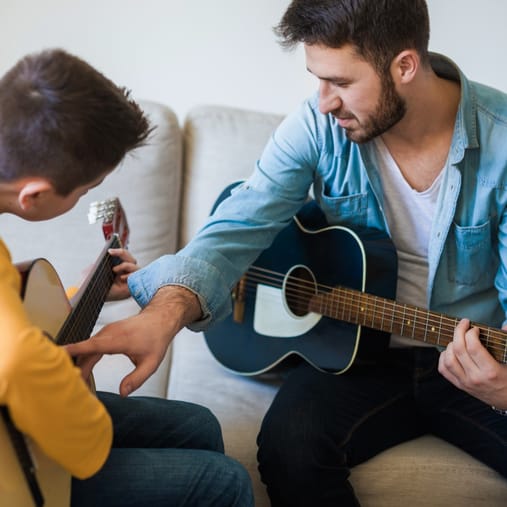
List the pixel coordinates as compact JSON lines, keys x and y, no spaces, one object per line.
{"x":114,"y":220}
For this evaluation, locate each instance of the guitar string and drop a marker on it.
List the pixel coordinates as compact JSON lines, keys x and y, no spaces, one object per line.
{"x":442,"y":322}
{"x":406,"y":312}
{"x":491,"y":343}
{"x":89,"y":299}
{"x":435,"y":318}
{"x":344,"y":304}
{"x":87,"y":311}
{"x":101,"y":280}
{"x":306,"y":284}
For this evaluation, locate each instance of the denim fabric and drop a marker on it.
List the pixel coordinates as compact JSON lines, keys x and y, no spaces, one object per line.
{"x":165,"y":453}
{"x":319,"y":426}
{"x":468,"y":243}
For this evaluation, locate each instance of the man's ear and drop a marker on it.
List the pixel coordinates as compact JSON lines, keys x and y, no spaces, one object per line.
{"x":405,"y":66}
{"x":32,"y":191}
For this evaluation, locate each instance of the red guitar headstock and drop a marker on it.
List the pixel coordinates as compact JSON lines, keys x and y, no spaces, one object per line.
{"x":114,"y":220}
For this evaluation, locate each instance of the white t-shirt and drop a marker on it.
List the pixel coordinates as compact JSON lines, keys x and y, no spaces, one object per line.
{"x":409,"y":215}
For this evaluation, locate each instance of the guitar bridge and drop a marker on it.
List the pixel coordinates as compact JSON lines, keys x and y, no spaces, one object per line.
{"x":238,"y":297}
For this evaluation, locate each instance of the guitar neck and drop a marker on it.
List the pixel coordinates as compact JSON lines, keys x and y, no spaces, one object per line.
{"x":88,"y":302}
{"x":409,"y":321}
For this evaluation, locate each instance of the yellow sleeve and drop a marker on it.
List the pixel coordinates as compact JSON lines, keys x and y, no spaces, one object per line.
{"x":44,"y":391}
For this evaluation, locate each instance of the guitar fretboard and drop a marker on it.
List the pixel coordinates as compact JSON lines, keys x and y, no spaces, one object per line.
{"x":409,"y":321}
{"x":80,"y":322}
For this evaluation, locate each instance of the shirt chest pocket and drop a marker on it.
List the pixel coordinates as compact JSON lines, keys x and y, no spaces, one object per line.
{"x":350,"y":209}
{"x":471,"y":255}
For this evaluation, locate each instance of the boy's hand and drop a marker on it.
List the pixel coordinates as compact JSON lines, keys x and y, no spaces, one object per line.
{"x":119,"y":289}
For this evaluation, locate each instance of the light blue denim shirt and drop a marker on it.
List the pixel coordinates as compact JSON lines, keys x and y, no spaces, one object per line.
{"x":468,"y":245}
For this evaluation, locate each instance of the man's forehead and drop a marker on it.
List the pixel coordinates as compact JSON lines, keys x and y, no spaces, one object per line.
{"x":334,"y":63}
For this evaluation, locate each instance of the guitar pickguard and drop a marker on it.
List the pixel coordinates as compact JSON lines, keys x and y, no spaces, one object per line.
{"x":272,"y":318}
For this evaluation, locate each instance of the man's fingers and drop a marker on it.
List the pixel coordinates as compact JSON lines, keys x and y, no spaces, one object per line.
{"x":135,"y":379}
{"x":83,"y":348}
{"x":101,"y":343}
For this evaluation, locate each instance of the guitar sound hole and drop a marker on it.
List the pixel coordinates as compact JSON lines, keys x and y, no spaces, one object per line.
{"x":299,"y":286}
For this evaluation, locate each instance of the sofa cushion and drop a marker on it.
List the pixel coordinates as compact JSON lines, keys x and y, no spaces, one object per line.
{"x":222,"y":145}
{"x":427,"y":471}
{"x":423,"y":472}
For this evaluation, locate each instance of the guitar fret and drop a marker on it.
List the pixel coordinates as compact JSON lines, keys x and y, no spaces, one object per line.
{"x":392,"y":321}
{"x":358,"y":308}
{"x":403,"y":321}
{"x":350,"y":309}
{"x":426,"y":327}
{"x":383,"y":313}
{"x":440,"y":329}
{"x":364,"y":308}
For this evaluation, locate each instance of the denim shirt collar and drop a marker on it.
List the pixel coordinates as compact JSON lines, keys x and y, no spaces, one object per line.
{"x":465,"y":129}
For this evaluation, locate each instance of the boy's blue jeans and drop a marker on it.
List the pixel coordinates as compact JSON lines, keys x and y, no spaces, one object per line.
{"x":321,"y":425}
{"x":165,"y":453}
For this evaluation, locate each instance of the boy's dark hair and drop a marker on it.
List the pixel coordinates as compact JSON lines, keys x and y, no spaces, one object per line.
{"x":378,"y":29}
{"x":63,"y":120}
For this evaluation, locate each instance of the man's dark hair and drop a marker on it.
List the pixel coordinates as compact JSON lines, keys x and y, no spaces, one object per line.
{"x":377,"y":29}
{"x":63,"y":120}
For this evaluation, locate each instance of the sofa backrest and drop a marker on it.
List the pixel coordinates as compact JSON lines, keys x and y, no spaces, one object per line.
{"x":221,"y":145}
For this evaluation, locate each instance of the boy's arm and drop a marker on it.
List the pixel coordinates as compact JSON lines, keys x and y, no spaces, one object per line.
{"x":43,"y":390}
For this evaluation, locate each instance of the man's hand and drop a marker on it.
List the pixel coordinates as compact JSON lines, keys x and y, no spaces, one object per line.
{"x":120,"y":289}
{"x":468,"y":365}
{"x":144,"y":338}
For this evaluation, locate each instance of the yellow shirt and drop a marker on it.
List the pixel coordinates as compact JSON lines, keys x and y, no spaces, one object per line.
{"x":44,"y":391}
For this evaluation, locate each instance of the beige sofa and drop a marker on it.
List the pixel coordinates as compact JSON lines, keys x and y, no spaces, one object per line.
{"x":167,"y":190}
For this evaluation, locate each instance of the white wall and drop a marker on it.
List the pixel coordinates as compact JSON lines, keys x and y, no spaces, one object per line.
{"x":189,"y":52}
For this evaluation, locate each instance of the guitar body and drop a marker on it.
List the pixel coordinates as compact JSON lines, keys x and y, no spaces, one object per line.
{"x":272,"y":328}
{"x":44,"y":296}
{"x":48,"y":307}
{"x":54,"y":481}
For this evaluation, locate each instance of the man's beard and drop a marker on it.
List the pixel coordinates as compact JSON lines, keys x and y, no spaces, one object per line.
{"x":391,"y":108}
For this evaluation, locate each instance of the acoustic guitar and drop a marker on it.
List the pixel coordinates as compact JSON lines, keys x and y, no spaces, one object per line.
{"x":325,"y":294}
{"x":28,"y":477}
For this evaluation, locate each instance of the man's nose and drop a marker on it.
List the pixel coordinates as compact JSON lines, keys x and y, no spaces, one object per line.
{"x":329,"y":99}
